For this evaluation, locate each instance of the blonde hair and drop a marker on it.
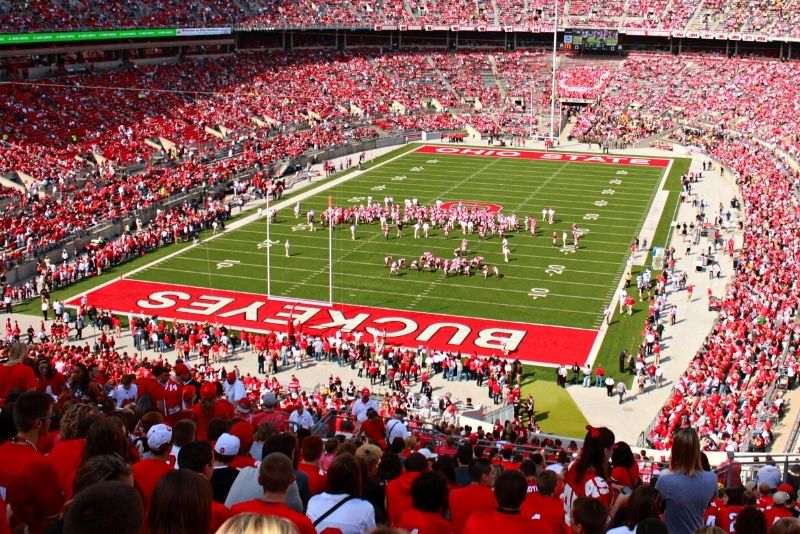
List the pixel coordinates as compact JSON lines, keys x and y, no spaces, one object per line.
{"x":257,"y":524}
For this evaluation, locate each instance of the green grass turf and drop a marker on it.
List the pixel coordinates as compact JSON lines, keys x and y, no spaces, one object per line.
{"x":575,"y":298}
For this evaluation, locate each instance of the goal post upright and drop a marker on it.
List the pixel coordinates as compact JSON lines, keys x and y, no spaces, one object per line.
{"x":330,"y":250}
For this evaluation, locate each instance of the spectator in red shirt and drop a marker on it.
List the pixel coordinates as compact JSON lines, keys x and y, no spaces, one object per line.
{"x":275,"y":475}
{"x":181,"y":502}
{"x":398,"y":491}
{"x":543,"y":506}
{"x":30,"y":480}
{"x":67,"y":455}
{"x":211,"y":406}
{"x":49,"y":380}
{"x":509,"y":491}
{"x":374,"y":428}
{"x":14,"y":374}
{"x":475,"y":497}
{"x":148,"y":472}
{"x":429,"y":501}
{"x":311,"y":450}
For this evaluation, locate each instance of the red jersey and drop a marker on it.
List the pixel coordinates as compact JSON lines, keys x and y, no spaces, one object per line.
{"x":279,"y":420}
{"x":15,"y":377}
{"x":31,"y":484}
{"x":589,"y":485}
{"x":727,"y":517}
{"x":545,"y":512}
{"x":221,"y":409}
{"x":146,"y":475}
{"x":485,"y":521}
{"x":414,"y":520}
{"x":465,"y":501}
{"x":398,"y":495}
{"x":279,"y":509}
{"x":773,"y":514}
{"x":66,"y":458}
{"x":316,"y":478}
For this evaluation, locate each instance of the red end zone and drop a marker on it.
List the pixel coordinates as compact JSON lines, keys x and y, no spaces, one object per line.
{"x":566,"y":157}
{"x":533,"y":343}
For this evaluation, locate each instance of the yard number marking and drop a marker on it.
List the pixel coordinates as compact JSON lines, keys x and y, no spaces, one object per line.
{"x":355,"y":200}
{"x":555,"y":269}
{"x":538,"y":292}
{"x":615,"y":181}
{"x":379,"y":188}
{"x":434,"y":161}
{"x":581,"y":231}
{"x":266,"y":244}
{"x":591,"y":217}
{"x":299,"y":227}
{"x":600,"y":203}
{"x":569,"y":249}
{"x":224,"y":264}
{"x":399,"y":178}
{"x":622,"y":172}
{"x":417,"y":169}
{"x":608,"y":191}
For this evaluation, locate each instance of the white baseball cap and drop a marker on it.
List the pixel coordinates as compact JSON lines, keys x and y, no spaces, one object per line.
{"x":158,"y":435}
{"x":227,"y":445}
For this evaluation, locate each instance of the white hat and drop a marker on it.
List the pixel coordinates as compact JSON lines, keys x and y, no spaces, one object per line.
{"x":158,"y":435}
{"x":227,"y":445}
{"x":427,"y":453}
{"x":780,"y":498}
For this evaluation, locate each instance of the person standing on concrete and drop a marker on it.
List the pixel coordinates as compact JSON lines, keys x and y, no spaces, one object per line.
{"x":621,"y":390}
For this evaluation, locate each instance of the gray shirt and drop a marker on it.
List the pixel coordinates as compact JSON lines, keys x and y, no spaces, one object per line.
{"x":246,"y":487}
{"x":686,"y":499}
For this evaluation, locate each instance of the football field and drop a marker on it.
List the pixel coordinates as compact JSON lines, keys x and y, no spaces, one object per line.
{"x":546,"y":305}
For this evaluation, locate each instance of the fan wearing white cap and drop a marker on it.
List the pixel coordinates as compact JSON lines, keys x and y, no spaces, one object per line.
{"x":156,"y":463}
{"x":225,"y":450}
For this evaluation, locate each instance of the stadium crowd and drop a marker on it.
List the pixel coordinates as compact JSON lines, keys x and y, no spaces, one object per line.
{"x":723,"y":15}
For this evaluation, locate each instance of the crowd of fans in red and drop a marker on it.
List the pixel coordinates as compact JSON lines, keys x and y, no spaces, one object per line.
{"x":722,"y":15}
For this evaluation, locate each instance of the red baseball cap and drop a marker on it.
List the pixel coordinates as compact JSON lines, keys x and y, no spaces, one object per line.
{"x":208,"y":390}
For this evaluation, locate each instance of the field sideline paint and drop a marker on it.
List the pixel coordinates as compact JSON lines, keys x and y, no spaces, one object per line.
{"x":566,"y":157}
{"x":531,"y":343}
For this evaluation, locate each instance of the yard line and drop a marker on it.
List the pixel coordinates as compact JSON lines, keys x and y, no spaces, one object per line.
{"x":383,"y":291}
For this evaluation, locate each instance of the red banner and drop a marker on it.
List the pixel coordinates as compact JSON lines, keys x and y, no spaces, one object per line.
{"x":544,"y":156}
{"x":532,"y":343}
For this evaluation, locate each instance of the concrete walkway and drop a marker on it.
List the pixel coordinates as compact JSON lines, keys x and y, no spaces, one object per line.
{"x":694,"y":321}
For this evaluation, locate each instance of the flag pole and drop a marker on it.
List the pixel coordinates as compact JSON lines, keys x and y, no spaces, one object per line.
{"x":269,"y":245}
{"x":330,"y":250}
{"x":553,"y":83}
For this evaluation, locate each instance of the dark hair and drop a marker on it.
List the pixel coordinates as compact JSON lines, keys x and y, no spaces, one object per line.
{"x":590,"y":514}
{"x":183,"y":432}
{"x":685,"y":457}
{"x":622,"y":455}
{"x":83,"y":385}
{"x":479,"y":468}
{"x":751,"y":520}
{"x":446,"y":465}
{"x":654,"y":525}
{"x":344,"y":476}
{"x":103,"y":508}
{"x":416,"y":462}
{"x":107,"y":436}
{"x":644,"y":503}
{"x":510,"y":489}
{"x":283,"y":442}
{"x":528,"y":468}
{"x":276,"y":472}
{"x":215,"y":428}
{"x":429,"y":493}
{"x":196,"y":456}
{"x":593,"y":455}
{"x":546,"y":482}
{"x":397,"y":445}
{"x":181,"y":502}
{"x":390,"y":467}
{"x":311,"y":448}
{"x":30,"y":407}
{"x":464,"y":454}
{"x":105,"y":468}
